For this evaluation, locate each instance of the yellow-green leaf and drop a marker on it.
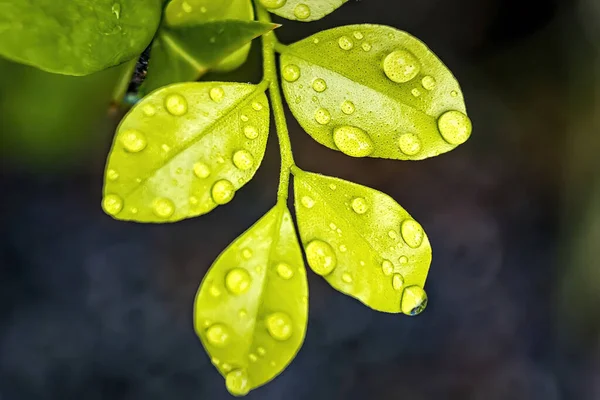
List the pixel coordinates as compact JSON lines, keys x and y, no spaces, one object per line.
{"x":372,"y":90}
{"x":302,"y":10}
{"x":362,"y":242}
{"x":251,"y":310}
{"x":185,"y":149}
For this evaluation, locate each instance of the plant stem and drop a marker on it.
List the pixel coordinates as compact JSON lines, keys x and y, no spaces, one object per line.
{"x":269,"y":42}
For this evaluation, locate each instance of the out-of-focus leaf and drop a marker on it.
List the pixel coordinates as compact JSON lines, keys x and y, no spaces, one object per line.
{"x":362,"y":242}
{"x":185,"y":149}
{"x":76,"y":37}
{"x":372,"y":90}
{"x":251,"y":310}
{"x":302,"y":10}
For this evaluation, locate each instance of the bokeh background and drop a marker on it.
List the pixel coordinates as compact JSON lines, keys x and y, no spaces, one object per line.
{"x":94,"y":309}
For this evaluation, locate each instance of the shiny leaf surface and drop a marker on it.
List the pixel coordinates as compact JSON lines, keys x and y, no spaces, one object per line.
{"x":302,"y":10}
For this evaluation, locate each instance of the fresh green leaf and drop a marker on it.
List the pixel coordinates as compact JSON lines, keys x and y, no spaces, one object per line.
{"x":302,"y":10}
{"x":372,"y":90}
{"x":185,"y":149}
{"x":362,"y":242}
{"x":184,"y":53}
{"x":76,"y":37}
{"x":251,"y":310}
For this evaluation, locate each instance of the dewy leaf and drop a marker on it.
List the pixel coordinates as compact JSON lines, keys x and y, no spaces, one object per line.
{"x":302,"y":10}
{"x":76,"y":37}
{"x":182,"y":12}
{"x":362,"y":242}
{"x":251,"y":310}
{"x":372,"y":90}
{"x":184,"y":53}
{"x":185,"y":149}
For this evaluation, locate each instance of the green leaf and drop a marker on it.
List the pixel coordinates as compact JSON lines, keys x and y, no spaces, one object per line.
{"x":302,"y":10}
{"x":185,"y":149}
{"x":251,"y":310}
{"x":362,"y":242}
{"x":372,"y":90}
{"x":76,"y":37}
{"x":184,"y":53}
{"x":182,"y":12}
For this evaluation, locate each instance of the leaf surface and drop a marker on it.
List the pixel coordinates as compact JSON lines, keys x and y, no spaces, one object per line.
{"x":251,"y":310}
{"x":372,"y":90}
{"x":362,"y":242}
{"x":184,"y":149}
{"x":76,"y":37}
{"x":302,"y":10}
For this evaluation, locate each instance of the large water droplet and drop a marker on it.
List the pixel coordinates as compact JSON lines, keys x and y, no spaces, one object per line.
{"x":401,"y":66}
{"x":359,"y":205}
{"x":302,"y":11}
{"x":112,"y":203}
{"x":284,"y":270}
{"x":112,"y":175}
{"x":348,"y":107}
{"x":319,"y":85}
{"x":409,"y":144}
{"x":397,"y":282}
{"x":216,"y":94}
{"x":237,"y":382}
{"x":455,"y":127}
{"x":352,"y":141}
{"x":201,"y":170}
{"x":217,"y":335}
{"x":176,"y":104}
{"x":321,"y":257}
{"x":412,"y":233}
{"x":222,"y":191}
{"x":163,"y":207}
{"x":250,"y":132}
{"x":387,"y":267}
{"x":133,"y":140}
{"x":243,"y":160}
{"x":237,"y":281}
{"x":307,"y":201}
{"x":322,"y":116}
{"x":273,"y":3}
{"x":279,"y":325}
{"x":414,"y":300}
{"x":291,"y":72}
{"x":345,"y":43}
{"x":428,"y":82}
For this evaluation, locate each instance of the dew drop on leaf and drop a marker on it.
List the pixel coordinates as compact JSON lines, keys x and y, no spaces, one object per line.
{"x":279,"y":325}
{"x":217,"y":94}
{"x":237,"y":281}
{"x":112,"y":175}
{"x":414,"y":300}
{"x":291,"y":72}
{"x":163,"y":207}
{"x":256,"y":106}
{"x":237,"y":382}
{"x":243,"y":160}
{"x":352,"y":141}
{"x":307,"y":201}
{"x":252,"y":357}
{"x":133,"y":141}
{"x":273,"y":3}
{"x":409,"y":144}
{"x":322,"y":116}
{"x":397,"y":282}
{"x":454,"y":93}
{"x":261,"y":351}
{"x":302,"y":11}
{"x":201,"y":170}
{"x":214,"y":291}
{"x":357,"y":35}
{"x":345,"y":43}
{"x":320,"y":257}
{"x":185,"y":6}
{"x":176,"y":104}
{"x":412,"y":233}
{"x":359,"y":205}
{"x":401,"y":66}
{"x":247,"y":253}
{"x":428,"y":82}
{"x":387,"y":267}
{"x":403,"y":260}
{"x":284,"y":270}
{"x":250,"y":132}
{"x":113,"y":204}
{"x":217,"y":335}
{"x":366,"y":46}
{"x":416,"y":92}
{"x":222,"y":191}
{"x":149,"y":110}
{"x":244,"y":118}
{"x":348,"y":107}
{"x":346,"y":277}
{"x":455,"y":127}
{"x":319,"y":85}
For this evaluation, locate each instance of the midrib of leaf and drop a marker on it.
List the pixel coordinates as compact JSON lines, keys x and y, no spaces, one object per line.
{"x":261,"y":87}
{"x":174,"y":46}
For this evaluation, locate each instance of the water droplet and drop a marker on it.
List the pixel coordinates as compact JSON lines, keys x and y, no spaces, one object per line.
{"x":397,"y":282}
{"x":217,"y":335}
{"x":359,"y":205}
{"x":222,"y":191}
{"x":401,"y":66}
{"x":393,"y":235}
{"x":201,"y":170}
{"x":215,"y":361}
{"x":116,"y":9}
{"x":203,"y":10}
{"x":165,"y":147}
{"x":252,"y":357}
{"x":272,"y":363}
{"x":403,"y":259}
{"x":409,"y":144}
{"x":112,"y":175}
{"x":343,"y":248}
{"x":321,"y":257}
{"x":298,"y":99}
{"x":416,"y":92}
{"x":244,"y":118}
{"x":302,"y":11}
{"x":332,"y":186}
{"x":332,"y":226}
{"x":243,"y":160}
{"x":186,"y":7}
{"x":291,"y":72}
{"x":212,"y":39}
{"x":163,"y":207}
{"x":428,"y":82}
{"x":346,"y":277}
{"x":414,"y":300}
{"x":348,"y":107}
{"x":345,"y":43}
{"x":315,"y":40}
{"x":243,"y":313}
{"x":216,"y":94}
{"x":237,"y":281}
{"x":279,"y":325}
{"x":352,"y":141}
{"x":261,"y":351}
{"x":387,"y":267}
{"x":284,"y":270}
{"x":112,"y":203}
{"x":149,"y":110}
{"x":133,"y":141}
{"x":455,"y":127}
{"x":226,"y":367}
{"x":366,"y":46}
{"x":357,"y":35}
{"x":176,"y":104}
{"x":193,"y":200}
{"x":412,"y":233}
{"x":319,"y":85}
{"x":307,"y":201}
{"x":256,"y":106}
{"x":237,"y":382}
{"x":250,"y":132}
{"x":247,"y":253}
{"x":322,"y":116}
{"x":454,"y":93}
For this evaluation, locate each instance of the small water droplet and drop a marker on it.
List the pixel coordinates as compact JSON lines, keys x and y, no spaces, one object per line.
{"x":302,"y":11}
{"x":244,"y":118}
{"x":387,"y":267}
{"x":346,"y":277}
{"x":243,"y":160}
{"x":163,"y":207}
{"x":116,"y":9}
{"x":193,"y":200}
{"x":359,"y":205}
{"x":401,"y":66}
{"x":252,"y":357}
{"x":203,"y":10}
{"x":348,"y":107}
{"x":179,"y":171}
{"x":455,"y":127}
{"x":215,"y":361}
{"x":322,"y":116}
{"x":307,"y":201}
{"x":247,"y":253}
{"x":352,"y":141}
{"x":358,"y":35}
{"x":259,"y":269}
{"x":226,"y":367}
{"x":222,"y":191}
{"x":416,"y":92}
{"x":217,"y":94}
{"x":298,"y":99}
{"x":393,"y":235}
{"x":201,"y":170}
{"x":362,"y":263}
{"x":133,"y":140}
{"x":284,"y":270}
{"x":319,"y":85}
{"x":186,"y":7}
{"x":345,"y":43}
{"x":273,"y":3}
{"x":237,"y":281}
{"x":176,"y":104}
{"x":414,"y":300}
{"x":261,"y":351}
{"x":332,"y":226}
{"x":217,"y":335}
{"x":403,"y":259}
{"x":409,"y":144}
{"x":243,"y":313}
{"x":315,"y":40}
{"x":397,"y":282}
{"x":256,"y":106}
{"x":291,"y":72}
{"x":412,"y":233}
{"x":165,"y":147}
{"x":332,"y":186}
{"x":454,"y":93}
{"x":321,"y":257}
{"x":279,"y":325}
{"x":112,"y":175}
{"x":149,"y":110}
{"x":314,"y":99}
{"x":112,"y":203}
{"x":428,"y":82}
{"x":272,"y":363}
{"x":212,"y":39}
{"x":237,"y":382}
{"x":250,"y":132}
{"x":343,"y":248}
{"x":366,"y":46}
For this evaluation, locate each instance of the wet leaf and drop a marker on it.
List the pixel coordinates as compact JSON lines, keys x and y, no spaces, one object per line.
{"x":184,"y":53}
{"x":362,"y":242}
{"x":185,"y":149}
{"x":251,"y":310}
{"x":76,"y":37}
{"x":302,"y":10}
{"x":372,"y":90}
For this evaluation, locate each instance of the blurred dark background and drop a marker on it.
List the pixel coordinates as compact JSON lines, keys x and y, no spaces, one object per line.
{"x":92,"y":308}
